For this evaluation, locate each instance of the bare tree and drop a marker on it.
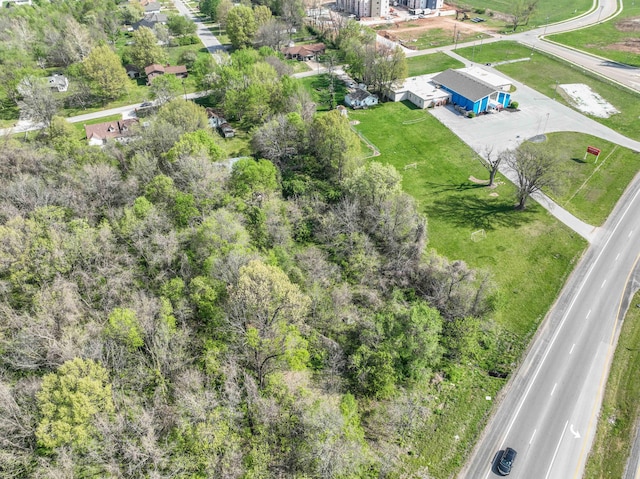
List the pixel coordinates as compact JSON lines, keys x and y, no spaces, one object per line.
{"x":491,"y":162}
{"x":536,"y":168}
{"x":38,"y":103}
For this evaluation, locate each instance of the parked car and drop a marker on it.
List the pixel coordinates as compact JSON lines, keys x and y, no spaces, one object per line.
{"x":506,"y":461}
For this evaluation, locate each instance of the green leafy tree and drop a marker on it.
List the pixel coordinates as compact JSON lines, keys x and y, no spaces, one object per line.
{"x":145,"y":50}
{"x":335,"y":145}
{"x":265,"y":309}
{"x":105,"y":72}
{"x":125,"y":328}
{"x":164,"y":88}
{"x":262,"y":14}
{"x":180,"y":26}
{"x":210,"y":8}
{"x":183,"y":115}
{"x":251,"y":177}
{"x":195,"y":143}
{"x":69,"y":401}
{"x":241,"y":26}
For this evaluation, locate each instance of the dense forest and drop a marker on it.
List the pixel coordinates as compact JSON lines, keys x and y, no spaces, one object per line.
{"x":166,"y":311}
{"x":169,"y":313}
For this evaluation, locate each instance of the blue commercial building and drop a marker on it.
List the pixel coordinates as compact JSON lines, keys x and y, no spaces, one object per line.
{"x":472,"y":93}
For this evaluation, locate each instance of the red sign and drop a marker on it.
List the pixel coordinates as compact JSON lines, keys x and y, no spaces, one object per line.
{"x":593,"y":150}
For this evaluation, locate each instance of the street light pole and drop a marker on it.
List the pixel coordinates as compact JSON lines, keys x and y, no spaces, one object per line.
{"x":599,"y":14}
{"x":545,"y":26}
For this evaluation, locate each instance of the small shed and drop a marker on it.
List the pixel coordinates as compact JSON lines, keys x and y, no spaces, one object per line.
{"x":227,"y":130}
{"x":360,"y":99}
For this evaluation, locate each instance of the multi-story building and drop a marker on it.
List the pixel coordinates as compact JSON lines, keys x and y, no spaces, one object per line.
{"x":365,"y":8}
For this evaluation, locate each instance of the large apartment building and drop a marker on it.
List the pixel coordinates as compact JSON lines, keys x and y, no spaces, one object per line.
{"x":364,"y":8}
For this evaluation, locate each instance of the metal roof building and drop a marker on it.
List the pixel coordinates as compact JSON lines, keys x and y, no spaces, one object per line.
{"x":470,"y":92}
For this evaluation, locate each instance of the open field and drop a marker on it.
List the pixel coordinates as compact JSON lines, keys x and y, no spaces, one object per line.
{"x":547,"y":11}
{"x":432,"y":63}
{"x":433,"y":32}
{"x":543,"y":73}
{"x":621,"y":407}
{"x":617,"y":39}
{"x":528,"y":253}
{"x":592,"y":189}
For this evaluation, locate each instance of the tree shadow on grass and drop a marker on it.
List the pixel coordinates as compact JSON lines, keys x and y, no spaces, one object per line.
{"x":479,"y":213}
{"x":442,"y":188}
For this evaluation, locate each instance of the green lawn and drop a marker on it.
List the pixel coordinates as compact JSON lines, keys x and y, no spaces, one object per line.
{"x":620,"y":407}
{"x":592,"y":189}
{"x":432,"y":63}
{"x":528,"y":254}
{"x":79,"y":127}
{"x":318,"y":87}
{"x":436,"y":37}
{"x":547,"y":11}
{"x":542,"y":72}
{"x":611,"y":39}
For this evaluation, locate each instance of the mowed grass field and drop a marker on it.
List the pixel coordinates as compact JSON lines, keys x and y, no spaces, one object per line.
{"x":432,"y":63}
{"x":620,"y":407}
{"x":617,"y":39}
{"x":553,"y":10}
{"x":542,"y":72}
{"x":591,"y":188}
{"x":528,"y":254}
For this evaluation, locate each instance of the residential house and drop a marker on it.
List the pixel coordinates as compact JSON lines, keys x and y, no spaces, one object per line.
{"x":472,"y":93}
{"x":343,"y":110}
{"x":119,"y":130}
{"x":150,"y":21}
{"x":152,"y":71}
{"x":304,"y":52}
{"x":133,"y":71}
{"x":152,"y":7}
{"x":215,"y":118}
{"x":58,"y":82}
{"x":360,"y":99}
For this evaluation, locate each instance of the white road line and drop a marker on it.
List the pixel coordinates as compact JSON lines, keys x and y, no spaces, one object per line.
{"x":554,"y":389}
{"x":532,"y":436}
{"x":617,"y":256}
{"x":555,"y":454}
{"x":587,"y":317}
{"x":574,"y":345}
{"x":630,"y":233}
{"x":563,"y":320}
{"x":603,"y":283}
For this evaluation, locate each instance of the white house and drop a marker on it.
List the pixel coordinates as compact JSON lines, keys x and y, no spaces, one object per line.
{"x":360,"y":99}
{"x":58,"y":82}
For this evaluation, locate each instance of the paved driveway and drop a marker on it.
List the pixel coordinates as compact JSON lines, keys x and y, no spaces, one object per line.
{"x":538,"y":114}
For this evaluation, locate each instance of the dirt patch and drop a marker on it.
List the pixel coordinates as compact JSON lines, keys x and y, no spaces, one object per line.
{"x":475,"y":180}
{"x":630,"y":45}
{"x":629,"y":25}
{"x":588,"y":101}
{"x":410,"y":31}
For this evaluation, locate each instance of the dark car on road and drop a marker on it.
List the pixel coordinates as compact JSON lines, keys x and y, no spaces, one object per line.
{"x":506,"y":461}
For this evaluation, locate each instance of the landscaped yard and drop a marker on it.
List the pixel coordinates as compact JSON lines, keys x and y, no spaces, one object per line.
{"x":318,"y":87}
{"x":528,"y":254}
{"x":617,"y":39}
{"x":543,"y":73}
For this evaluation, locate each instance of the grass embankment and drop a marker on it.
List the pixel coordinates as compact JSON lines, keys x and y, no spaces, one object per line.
{"x":617,"y":39}
{"x":528,"y":253}
{"x":621,"y":408}
{"x":543,"y":73}
{"x":546,"y":11}
{"x":432,"y":63}
{"x":436,"y":37}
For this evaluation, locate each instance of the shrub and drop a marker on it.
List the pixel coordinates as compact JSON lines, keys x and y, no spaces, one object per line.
{"x":514,"y":104}
{"x":479,"y":11}
{"x":471,"y":114}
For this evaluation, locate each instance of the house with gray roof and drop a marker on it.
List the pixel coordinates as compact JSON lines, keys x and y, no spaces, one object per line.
{"x":151,"y":20}
{"x":470,"y":92}
{"x":360,"y":99}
